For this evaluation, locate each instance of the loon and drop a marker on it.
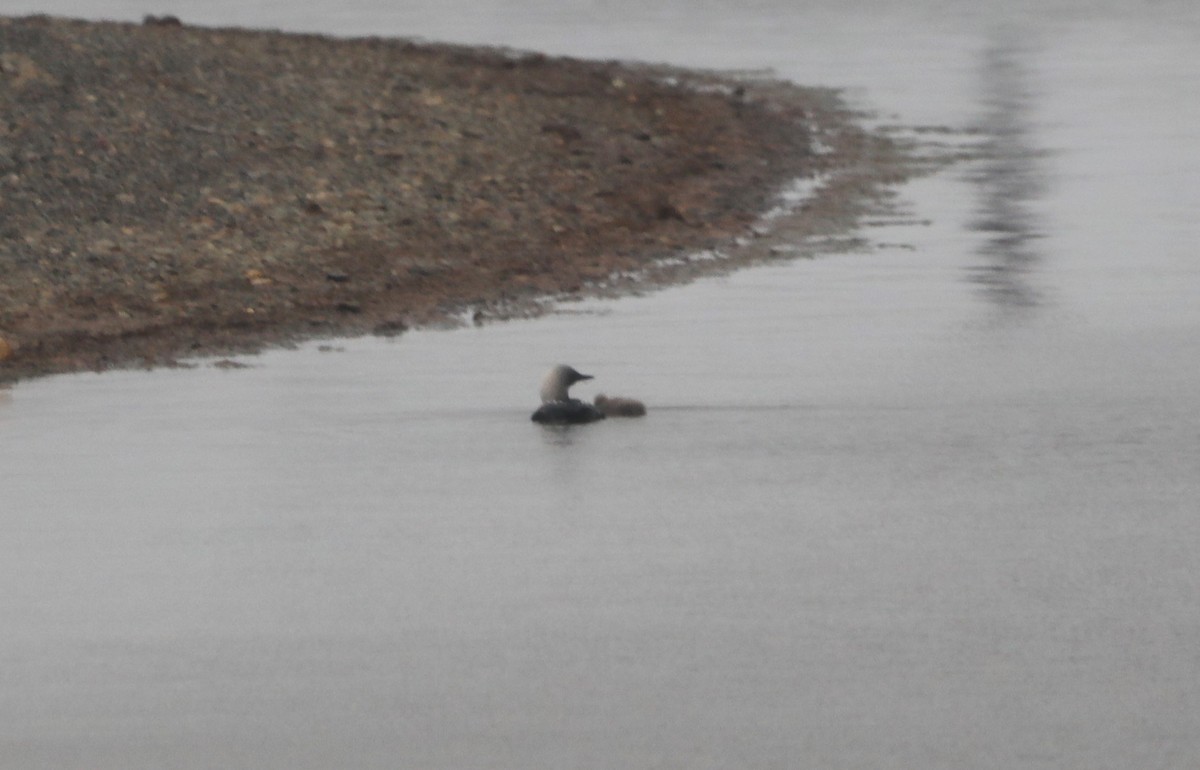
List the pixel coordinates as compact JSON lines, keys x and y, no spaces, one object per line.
{"x":557,"y":407}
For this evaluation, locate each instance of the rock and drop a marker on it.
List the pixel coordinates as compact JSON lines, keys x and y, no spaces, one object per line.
{"x":257,"y":278}
{"x":150,"y":20}
{"x":6,"y":349}
{"x":391,"y":328}
{"x":22,"y":71}
{"x":565,"y":132}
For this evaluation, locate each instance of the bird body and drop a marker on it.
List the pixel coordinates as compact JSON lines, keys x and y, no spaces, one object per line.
{"x":572,"y":412}
{"x":617,"y":406}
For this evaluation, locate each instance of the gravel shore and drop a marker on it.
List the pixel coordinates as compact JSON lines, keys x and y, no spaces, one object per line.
{"x":169,"y":191}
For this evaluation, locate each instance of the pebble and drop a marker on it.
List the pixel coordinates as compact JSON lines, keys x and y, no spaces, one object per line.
{"x":257,"y":278}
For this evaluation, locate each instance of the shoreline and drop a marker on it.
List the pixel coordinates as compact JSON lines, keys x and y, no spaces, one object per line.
{"x":174,"y":192}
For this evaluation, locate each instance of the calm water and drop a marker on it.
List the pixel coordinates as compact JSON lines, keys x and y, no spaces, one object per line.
{"x":929,"y":505}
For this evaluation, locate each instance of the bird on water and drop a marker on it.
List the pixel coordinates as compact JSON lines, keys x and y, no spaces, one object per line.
{"x":618,"y":406}
{"x":558,"y":408}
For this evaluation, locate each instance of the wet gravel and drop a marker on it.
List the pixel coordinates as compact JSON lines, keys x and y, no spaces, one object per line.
{"x":168,"y":191}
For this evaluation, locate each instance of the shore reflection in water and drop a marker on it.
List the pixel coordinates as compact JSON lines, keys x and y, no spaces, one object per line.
{"x":1010,"y":179}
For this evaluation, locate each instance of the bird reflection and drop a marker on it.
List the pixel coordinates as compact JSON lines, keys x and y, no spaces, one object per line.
{"x":1009,"y":181}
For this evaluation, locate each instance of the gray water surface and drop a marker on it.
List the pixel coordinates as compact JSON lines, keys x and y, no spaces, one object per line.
{"x":932,"y":504}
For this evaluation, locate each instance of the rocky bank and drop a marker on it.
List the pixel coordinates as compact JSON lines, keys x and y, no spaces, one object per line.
{"x":169,"y":191}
